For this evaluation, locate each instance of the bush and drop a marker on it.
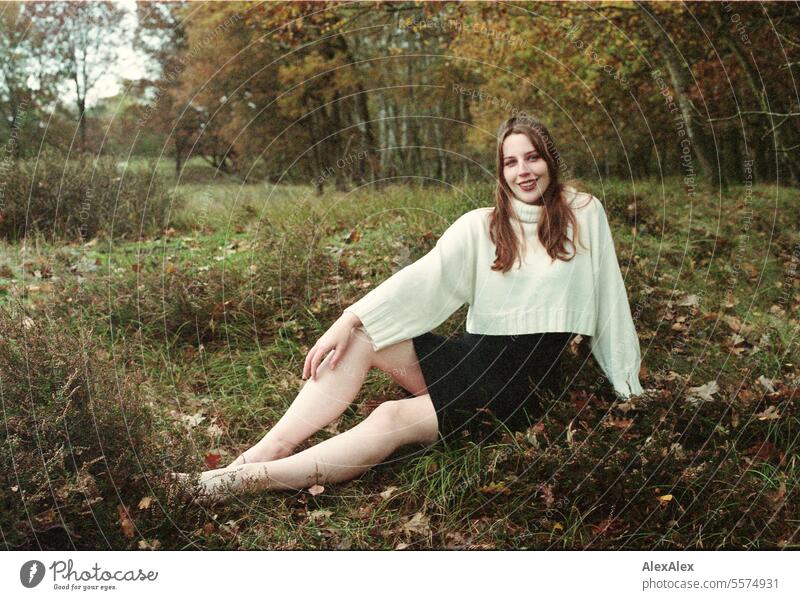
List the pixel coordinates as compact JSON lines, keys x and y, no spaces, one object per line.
{"x":79,"y":449}
{"x":82,"y":198}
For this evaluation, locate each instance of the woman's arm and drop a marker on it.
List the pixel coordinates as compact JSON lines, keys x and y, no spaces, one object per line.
{"x":424,"y":294}
{"x":336,"y":338}
{"x":352,"y":318}
{"x":615,"y":344}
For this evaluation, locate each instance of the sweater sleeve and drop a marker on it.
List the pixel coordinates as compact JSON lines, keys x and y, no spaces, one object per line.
{"x":615,"y":344}
{"x":424,"y":294}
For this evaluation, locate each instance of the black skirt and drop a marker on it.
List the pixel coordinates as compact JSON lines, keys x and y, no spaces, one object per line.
{"x":476,"y":380}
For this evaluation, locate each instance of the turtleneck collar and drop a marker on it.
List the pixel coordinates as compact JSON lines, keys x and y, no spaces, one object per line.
{"x":527,"y":213}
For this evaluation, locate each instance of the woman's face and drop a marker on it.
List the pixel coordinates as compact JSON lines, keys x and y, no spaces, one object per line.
{"x":524,"y":169}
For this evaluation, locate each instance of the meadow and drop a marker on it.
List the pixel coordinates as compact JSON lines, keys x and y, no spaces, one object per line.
{"x":123,"y":359}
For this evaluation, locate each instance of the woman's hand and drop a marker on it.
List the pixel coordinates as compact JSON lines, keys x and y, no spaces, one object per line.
{"x":336,"y":338}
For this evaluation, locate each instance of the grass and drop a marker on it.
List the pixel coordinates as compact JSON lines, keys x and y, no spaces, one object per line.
{"x":222,"y":308}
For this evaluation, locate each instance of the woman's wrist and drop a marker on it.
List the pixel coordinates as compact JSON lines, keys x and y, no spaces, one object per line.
{"x":351,"y":319}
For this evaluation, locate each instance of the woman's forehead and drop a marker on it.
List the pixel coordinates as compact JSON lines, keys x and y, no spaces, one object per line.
{"x":517,"y":143}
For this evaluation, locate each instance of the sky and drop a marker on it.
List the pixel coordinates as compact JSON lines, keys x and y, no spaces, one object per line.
{"x":130,"y":64}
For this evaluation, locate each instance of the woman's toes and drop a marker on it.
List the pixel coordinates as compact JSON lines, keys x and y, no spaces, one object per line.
{"x":187,"y":485}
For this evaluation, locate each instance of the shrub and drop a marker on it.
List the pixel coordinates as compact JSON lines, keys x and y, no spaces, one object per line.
{"x":80,"y":447}
{"x":82,"y":198}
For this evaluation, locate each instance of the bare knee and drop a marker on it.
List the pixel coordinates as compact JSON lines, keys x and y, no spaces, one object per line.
{"x":407,"y":421}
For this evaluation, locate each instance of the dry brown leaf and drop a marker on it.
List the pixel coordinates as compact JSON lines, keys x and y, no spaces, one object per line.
{"x":418,"y":524}
{"x":387,"y":493}
{"x":495,"y":488}
{"x":770,"y":414}
{"x":145,"y":503}
{"x":125,"y":522}
{"x":319,"y":514}
{"x":703,"y":393}
{"x":621,"y":423}
{"x":149,"y":544}
{"x":353,"y":236}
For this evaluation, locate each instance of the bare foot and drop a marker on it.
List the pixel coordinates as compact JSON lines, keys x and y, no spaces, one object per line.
{"x":209,"y":486}
{"x":187,"y":485}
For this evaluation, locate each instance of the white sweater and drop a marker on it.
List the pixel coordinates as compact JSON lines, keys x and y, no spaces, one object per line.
{"x":585,"y":295}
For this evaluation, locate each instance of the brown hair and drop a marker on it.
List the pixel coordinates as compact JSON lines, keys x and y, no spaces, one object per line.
{"x":556,"y":213}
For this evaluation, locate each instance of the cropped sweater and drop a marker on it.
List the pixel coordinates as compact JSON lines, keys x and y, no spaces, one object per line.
{"x":585,"y":295}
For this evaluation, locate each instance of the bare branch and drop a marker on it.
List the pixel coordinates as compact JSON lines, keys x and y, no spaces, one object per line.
{"x":755,"y":112}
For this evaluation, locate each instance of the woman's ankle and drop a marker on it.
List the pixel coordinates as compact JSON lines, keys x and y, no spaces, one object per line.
{"x":267,"y":450}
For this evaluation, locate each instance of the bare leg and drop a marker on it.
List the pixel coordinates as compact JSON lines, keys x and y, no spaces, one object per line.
{"x":323,"y":400}
{"x":341,"y":458}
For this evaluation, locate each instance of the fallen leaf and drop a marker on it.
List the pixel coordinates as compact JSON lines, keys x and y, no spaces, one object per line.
{"x":737,"y":326}
{"x":770,"y":414}
{"x":621,"y":423}
{"x":193,"y":420}
{"x":401,"y":546}
{"x":689,"y":300}
{"x":125,"y":521}
{"x":418,"y":524}
{"x":387,"y":493}
{"x":319,"y":514}
{"x":495,"y":488}
{"x":665,"y":498}
{"x":212,"y":460}
{"x":703,"y":393}
{"x":333,"y":426}
{"x":767,"y":384}
{"x":353,"y":236}
{"x":149,"y":545}
{"x":145,"y":503}
{"x":763,"y":451}
{"x":777,"y":496}
{"x":215,"y":430}
{"x":625,"y":406}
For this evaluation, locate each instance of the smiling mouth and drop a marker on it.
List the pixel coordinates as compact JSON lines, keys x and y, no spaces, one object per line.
{"x":529,"y":186}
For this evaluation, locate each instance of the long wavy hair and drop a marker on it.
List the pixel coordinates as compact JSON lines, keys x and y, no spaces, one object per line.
{"x":556,"y":213}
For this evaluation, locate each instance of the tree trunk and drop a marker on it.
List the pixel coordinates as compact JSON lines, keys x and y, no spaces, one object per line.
{"x":681,"y":85}
{"x":759,"y":93}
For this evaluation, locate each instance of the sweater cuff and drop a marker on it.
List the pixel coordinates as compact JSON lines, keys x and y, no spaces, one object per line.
{"x":627,"y":384}
{"x":377,"y":320}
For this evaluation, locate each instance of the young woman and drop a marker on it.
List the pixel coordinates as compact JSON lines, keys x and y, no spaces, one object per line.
{"x":529,"y":288}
